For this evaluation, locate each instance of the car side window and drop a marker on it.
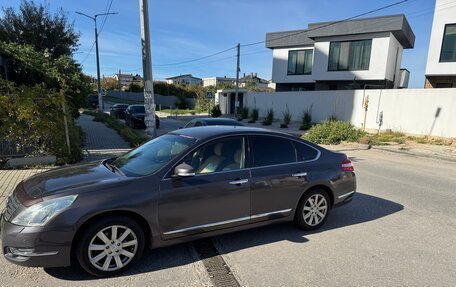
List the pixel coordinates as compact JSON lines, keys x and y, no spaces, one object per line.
{"x":198,"y":124}
{"x":219,"y":155}
{"x":305,"y":152}
{"x":190,"y":124}
{"x":268,"y":150}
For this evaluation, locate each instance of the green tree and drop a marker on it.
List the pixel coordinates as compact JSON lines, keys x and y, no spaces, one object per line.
{"x":33,"y":24}
{"x":135,"y":87}
{"x":110,"y":83}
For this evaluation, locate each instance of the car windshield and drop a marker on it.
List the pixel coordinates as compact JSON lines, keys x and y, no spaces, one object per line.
{"x":121,"y":106}
{"x":138,"y":109}
{"x":153,"y":155}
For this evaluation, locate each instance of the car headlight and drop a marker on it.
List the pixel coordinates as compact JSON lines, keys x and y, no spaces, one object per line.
{"x":40,"y":213}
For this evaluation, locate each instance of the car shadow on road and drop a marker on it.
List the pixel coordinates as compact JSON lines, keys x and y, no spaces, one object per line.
{"x":362,"y":209}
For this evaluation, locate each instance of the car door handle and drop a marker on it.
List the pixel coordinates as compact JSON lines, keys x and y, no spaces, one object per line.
{"x":239,"y":181}
{"x":299,"y":174}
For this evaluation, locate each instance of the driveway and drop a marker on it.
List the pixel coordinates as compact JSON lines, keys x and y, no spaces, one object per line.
{"x":398,"y":231}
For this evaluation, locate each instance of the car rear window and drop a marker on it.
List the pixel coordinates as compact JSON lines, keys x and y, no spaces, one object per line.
{"x":138,"y":109}
{"x":305,"y":152}
{"x":269,"y":150}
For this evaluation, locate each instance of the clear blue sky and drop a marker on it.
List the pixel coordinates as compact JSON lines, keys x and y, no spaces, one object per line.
{"x":187,"y":29}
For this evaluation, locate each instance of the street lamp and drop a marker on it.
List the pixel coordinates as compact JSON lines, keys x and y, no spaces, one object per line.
{"x":94,"y":18}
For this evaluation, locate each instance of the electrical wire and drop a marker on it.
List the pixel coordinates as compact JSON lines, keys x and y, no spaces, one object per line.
{"x":328,"y":24}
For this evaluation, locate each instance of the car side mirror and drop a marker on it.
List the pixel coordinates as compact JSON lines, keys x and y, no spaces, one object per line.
{"x":184,"y":170}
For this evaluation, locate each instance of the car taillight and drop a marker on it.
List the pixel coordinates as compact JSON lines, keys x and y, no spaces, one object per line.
{"x":347,"y":165}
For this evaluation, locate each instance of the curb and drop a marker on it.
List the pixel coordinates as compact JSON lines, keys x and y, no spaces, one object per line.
{"x":406,"y":152}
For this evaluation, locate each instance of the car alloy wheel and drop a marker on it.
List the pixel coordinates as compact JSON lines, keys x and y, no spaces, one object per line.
{"x":110,"y":245}
{"x":315,"y":209}
{"x":112,"y":248}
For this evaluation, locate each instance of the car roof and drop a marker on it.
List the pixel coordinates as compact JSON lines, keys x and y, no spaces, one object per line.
{"x":136,"y":105}
{"x":208,"y":132}
{"x":215,"y":120}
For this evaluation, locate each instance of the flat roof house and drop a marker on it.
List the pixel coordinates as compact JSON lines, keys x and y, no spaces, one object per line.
{"x":187,"y":79}
{"x":216,"y":81}
{"x":441,"y":61}
{"x":341,"y":54}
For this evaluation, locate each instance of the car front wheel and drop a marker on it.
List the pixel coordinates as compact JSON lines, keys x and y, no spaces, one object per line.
{"x":110,"y":246}
{"x":313,"y":209}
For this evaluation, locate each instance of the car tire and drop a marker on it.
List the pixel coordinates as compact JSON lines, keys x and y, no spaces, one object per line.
{"x":313,"y":210}
{"x":110,"y":246}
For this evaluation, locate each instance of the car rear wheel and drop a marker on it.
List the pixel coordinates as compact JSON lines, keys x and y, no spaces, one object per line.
{"x":110,"y":246}
{"x":313,"y":209}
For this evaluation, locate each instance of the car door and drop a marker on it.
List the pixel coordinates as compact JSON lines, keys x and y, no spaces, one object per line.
{"x":278,"y":178}
{"x":216,"y":197}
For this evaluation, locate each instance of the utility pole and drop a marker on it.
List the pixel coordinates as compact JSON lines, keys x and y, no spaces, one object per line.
{"x":149,"y":103}
{"x":238,"y":69}
{"x":94,"y":18}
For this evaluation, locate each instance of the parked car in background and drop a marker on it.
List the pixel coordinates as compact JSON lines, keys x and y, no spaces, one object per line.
{"x":118,"y":111}
{"x":199,"y":122}
{"x":93,"y":101}
{"x":181,"y":186}
{"x":134,"y":117}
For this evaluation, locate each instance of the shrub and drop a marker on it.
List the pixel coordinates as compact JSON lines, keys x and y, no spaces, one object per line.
{"x":306,"y":122}
{"x":133,"y":137}
{"x":333,"y":132}
{"x":216,"y":112}
{"x":269,"y":117}
{"x":286,"y":118}
{"x":244,"y":113}
{"x":254,"y":116}
{"x":333,"y":118}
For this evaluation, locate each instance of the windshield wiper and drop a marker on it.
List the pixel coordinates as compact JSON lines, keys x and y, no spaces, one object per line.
{"x":114,"y":168}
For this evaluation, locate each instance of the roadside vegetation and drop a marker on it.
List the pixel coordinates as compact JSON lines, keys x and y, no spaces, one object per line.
{"x":43,"y":80}
{"x":133,"y":137}
{"x":333,"y":132}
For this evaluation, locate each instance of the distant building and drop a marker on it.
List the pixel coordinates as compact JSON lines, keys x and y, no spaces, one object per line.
{"x":341,"y":55}
{"x":441,"y":61}
{"x":126,"y":79}
{"x":186,"y":79}
{"x":216,"y":81}
{"x":253,"y":80}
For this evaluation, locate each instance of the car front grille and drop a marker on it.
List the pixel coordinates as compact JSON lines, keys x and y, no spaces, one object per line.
{"x":12,"y":205}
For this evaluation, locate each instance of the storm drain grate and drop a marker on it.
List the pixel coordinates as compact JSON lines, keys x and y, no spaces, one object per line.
{"x":216,"y":267}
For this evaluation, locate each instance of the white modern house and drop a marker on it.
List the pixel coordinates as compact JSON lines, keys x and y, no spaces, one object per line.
{"x":441,"y":61}
{"x":341,"y":55}
{"x":186,"y":79}
{"x":216,"y":81}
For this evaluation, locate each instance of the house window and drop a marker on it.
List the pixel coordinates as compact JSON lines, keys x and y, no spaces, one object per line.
{"x":448,"y":52}
{"x":349,"y":55}
{"x":300,"y":62}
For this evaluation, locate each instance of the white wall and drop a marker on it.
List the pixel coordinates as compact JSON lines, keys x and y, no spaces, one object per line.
{"x":378,"y":66}
{"x":408,"y":110}
{"x":445,"y":13}
{"x":280,"y":67}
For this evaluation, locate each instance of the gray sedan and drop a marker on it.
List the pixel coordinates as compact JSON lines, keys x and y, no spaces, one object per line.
{"x":187,"y":184}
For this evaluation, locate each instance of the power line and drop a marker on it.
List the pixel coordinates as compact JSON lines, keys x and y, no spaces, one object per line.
{"x":88,"y":53}
{"x":197,"y":59}
{"x":105,"y":18}
{"x":328,"y":24}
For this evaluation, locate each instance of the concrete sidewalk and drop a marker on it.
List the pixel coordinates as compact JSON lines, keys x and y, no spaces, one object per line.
{"x":100,"y":141}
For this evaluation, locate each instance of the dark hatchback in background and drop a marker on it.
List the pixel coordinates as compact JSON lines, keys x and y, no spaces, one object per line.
{"x":184,"y":185}
{"x":134,"y":117}
{"x":199,"y":122}
{"x":118,"y":111}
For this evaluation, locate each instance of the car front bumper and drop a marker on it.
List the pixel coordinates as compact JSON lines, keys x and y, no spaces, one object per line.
{"x":34,"y":246}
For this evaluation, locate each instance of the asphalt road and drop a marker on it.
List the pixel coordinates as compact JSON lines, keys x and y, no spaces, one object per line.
{"x":398,"y":231}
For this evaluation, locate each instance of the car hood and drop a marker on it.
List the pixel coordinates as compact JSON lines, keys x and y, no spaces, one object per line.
{"x":62,"y":179}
